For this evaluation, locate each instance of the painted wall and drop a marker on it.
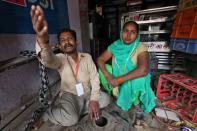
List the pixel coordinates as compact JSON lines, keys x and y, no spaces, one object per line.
{"x":20,"y":84}
{"x":15,"y":20}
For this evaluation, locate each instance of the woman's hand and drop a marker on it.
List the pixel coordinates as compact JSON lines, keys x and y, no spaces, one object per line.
{"x":39,"y":24}
{"x":94,"y":110}
{"x":109,"y":79}
{"x":112,"y":81}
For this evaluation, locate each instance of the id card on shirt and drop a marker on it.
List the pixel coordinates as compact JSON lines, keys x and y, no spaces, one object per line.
{"x":79,"y":88}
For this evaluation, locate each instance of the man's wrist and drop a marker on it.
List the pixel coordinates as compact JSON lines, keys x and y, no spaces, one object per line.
{"x":93,"y":100}
{"x":41,"y":43}
{"x":43,"y":40}
{"x":94,"y":97}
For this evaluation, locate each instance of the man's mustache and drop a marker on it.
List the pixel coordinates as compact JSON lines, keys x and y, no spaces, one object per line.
{"x":68,"y":45}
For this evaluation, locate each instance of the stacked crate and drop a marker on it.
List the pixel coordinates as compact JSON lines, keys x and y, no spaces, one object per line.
{"x":179,"y":92}
{"x":184,"y":31}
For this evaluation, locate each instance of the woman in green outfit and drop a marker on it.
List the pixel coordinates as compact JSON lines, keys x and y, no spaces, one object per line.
{"x":130,"y":66}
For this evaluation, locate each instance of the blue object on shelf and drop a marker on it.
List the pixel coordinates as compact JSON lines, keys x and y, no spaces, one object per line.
{"x":192,"y":47}
{"x":184,"y":45}
{"x":171,"y":43}
{"x":180,"y":44}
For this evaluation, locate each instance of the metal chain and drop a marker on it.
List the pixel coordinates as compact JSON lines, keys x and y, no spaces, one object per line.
{"x":43,"y":94}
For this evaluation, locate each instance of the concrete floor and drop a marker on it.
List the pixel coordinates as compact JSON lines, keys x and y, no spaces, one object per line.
{"x":117,"y":121}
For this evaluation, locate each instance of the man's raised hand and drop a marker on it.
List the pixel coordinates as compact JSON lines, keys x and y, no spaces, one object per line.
{"x":39,"y":24}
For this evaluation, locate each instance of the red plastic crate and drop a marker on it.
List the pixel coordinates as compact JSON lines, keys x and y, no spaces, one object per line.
{"x":188,"y":16}
{"x":184,"y":31}
{"x":179,"y":92}
{"x":185,"y":24}
{"x":193,"y":34}
{"x":177,"y":21}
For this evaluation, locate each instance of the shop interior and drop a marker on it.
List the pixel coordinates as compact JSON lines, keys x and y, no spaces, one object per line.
{"x":168,"y":29}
